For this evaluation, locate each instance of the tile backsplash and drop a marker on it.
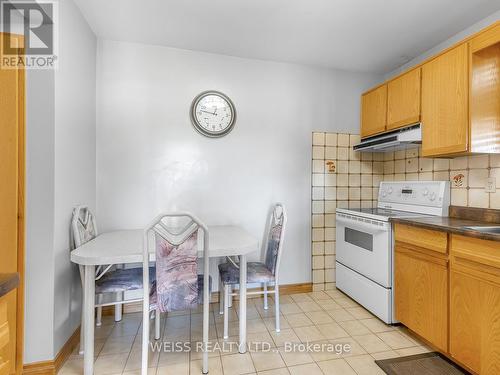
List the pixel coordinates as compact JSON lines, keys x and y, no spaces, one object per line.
{"x":344,"y":178}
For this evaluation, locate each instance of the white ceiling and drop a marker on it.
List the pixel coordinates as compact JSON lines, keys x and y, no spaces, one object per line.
{"x":360,"y":35}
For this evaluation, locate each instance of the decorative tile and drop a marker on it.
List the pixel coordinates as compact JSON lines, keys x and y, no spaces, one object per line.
{"x":330,"y":166}
{"x":459,"y":179}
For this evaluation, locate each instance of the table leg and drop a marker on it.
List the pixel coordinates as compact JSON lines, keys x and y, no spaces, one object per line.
{"x":243,"y":304}
{"x":88,"y":306}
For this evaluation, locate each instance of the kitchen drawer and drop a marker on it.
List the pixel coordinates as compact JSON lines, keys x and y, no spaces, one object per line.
{"x":475,"y":252}
{"x":424,"y":238}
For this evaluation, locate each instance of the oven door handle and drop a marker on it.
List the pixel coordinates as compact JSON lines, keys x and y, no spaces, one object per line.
{"x":365,"y":227}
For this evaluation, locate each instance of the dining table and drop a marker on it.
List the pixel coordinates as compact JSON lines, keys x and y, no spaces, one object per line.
{"x":126,"y":247}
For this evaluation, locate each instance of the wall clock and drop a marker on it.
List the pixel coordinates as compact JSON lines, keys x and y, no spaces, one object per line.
{"x":213,"y":114}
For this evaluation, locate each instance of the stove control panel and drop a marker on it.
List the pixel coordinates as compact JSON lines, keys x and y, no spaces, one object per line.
{"x":407,"y":194}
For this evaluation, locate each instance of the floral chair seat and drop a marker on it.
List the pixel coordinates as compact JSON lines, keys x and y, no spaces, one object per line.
{"x":121,"y":280}
{"x":257,"y":272}
{"x":154,"y":297}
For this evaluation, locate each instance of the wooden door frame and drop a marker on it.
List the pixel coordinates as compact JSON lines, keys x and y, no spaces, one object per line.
{"x":21,"y":149}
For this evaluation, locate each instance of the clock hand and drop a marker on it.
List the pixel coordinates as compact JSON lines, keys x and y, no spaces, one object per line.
{"x":201,"y":110}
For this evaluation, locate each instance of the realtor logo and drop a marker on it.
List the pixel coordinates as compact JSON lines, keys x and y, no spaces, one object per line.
{"x":37,"y":23}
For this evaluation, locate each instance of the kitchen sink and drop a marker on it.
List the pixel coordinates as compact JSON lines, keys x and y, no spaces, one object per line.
{"x":494,"y":230}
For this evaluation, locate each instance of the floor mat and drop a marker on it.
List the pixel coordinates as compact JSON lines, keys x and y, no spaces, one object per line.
{"x":420,"y":364}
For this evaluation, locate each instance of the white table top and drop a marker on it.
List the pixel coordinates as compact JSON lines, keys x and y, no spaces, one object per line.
{"x":125,"y":246}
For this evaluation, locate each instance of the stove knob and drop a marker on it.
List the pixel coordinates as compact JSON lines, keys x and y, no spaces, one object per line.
{"x":383,"y":193}
{"x":432,"y":196}
{"x":389,"y":190}
{"x":426,"y":191}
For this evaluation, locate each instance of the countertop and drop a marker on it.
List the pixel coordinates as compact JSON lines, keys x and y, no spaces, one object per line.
{"x":452,"y":225}
{"x":8,"y":281}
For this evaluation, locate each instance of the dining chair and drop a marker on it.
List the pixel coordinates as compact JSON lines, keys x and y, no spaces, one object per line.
{"x":108,"y":280}
{"x":178,"y":285}
{"x":265,"y":273}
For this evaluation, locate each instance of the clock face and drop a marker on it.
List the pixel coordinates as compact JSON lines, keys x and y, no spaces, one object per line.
{"x":213,"y":114}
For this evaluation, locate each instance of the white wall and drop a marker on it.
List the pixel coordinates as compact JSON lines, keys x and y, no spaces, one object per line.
{"x":447,"y":43}
{"x":60,"y":171}
{"x":39,"y":265}
{"x":75,"y":157}
{"x":150,"y":159}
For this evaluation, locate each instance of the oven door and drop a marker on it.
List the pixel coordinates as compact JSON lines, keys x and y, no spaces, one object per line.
{"x":364,"y":245}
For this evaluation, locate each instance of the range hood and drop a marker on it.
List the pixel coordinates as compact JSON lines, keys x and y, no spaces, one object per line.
{"x":399,"y":139}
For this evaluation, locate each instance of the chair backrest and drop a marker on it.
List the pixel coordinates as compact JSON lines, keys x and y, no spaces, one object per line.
{"x":274,"y":240}
{"x":83,"y":226}
{"x":176,"y":254}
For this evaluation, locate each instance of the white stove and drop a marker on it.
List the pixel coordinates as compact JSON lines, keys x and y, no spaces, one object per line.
{"x":365,"y":243}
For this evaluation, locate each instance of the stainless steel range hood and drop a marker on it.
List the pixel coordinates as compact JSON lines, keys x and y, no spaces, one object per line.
{"x":398,"y":139}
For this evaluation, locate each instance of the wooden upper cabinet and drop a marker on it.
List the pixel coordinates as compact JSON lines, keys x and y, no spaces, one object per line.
{"x":485,"y":91}
{"x":445,"y":95}
{"x":403,"y":100}
{"x":374,"y":111}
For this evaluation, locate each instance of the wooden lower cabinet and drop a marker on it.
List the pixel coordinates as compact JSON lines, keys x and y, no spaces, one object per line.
{"x":475,"y":304}
{"x":421,"y":293}
{"x":5,"y":347}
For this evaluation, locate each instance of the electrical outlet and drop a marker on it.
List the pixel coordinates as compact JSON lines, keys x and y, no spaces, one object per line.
{"x":490,"y":186}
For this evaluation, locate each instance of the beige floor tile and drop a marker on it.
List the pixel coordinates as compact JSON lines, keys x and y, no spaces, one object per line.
{"x":298,"y":320}
{"x":284,"y":336}
{"x":396,"y":340}
{"x":102,"y":332}
{"x":126,"y":328}
{"x":134,"y":360}
{"x":319,"y":317}
{"x":385,"y":355}
{"x":271,"y":323}
{"x":301,"y":297}
{"x":336,"y":367}
{"x":293,"y":358}
{"x":353,"y":348}
{"x":307,"y":306}
{"x":110,"y":364}
{"x":261,"y":337}
{"x":319,"y":296}
{"x":372,"y":343}
{"x":329,"y":304}
{"x":376,"y":325}
{"x":324,"y":352}
{"x":354,"y":328}
{"x":197,"y":352}
{"x":290,"y":308}
{"x":73,"y":366}
{"x":346,"y":302}
{"x":413,"y":350}
{"x":151,"y":371}
{"x":364,"y":365}
{"x":267,"y":360}
{"x":168,"y":358}
{"x":214,"y":366}
{"x":309,"y":369}
{"x":308,"y":334}
{"x":115,"y":345}
{"x":174,"y":369}
{"x":98,"y":344}
{"x":340,"y":315}
{"x":359,"y":312}
{"x":279,"y":371}
{"x":235,"y":364}
{"x":335,"y":293}
{"x":332,"y":330}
